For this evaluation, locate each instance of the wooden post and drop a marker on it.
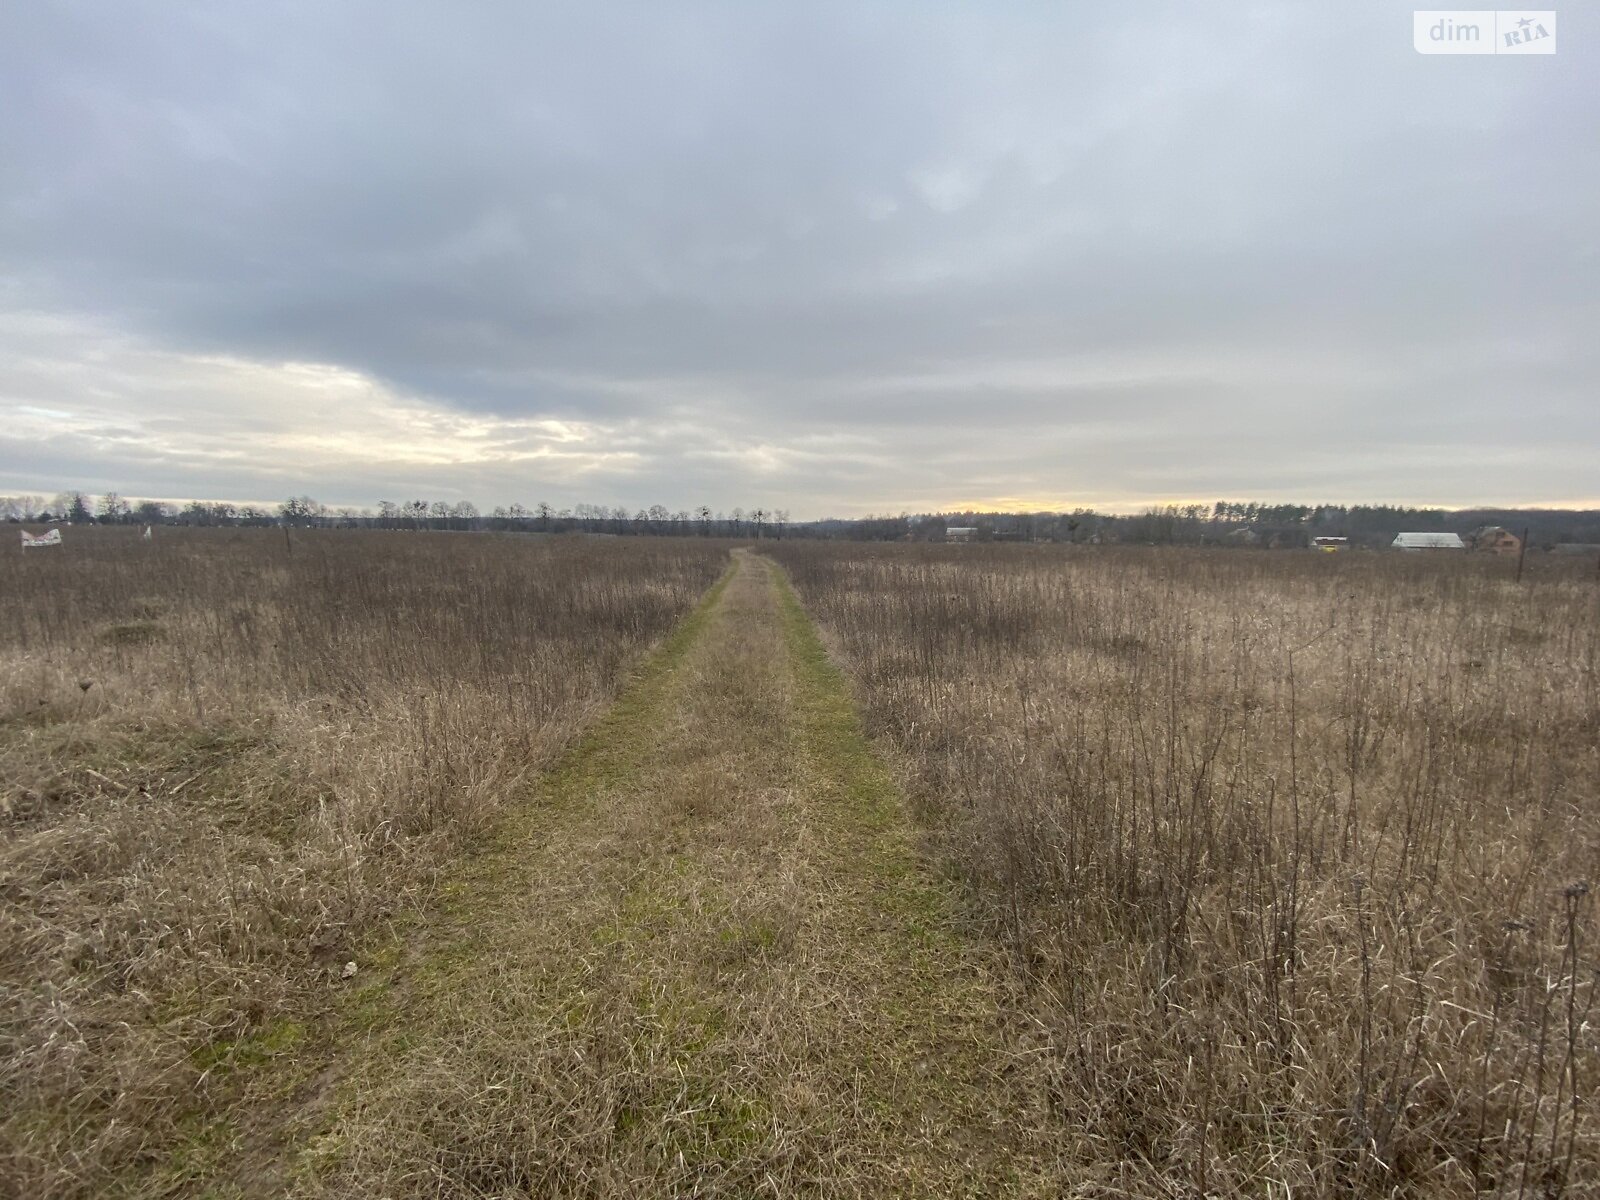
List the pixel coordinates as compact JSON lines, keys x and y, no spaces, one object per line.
{"x":288,"y":546}
{"x":1522,"y":550}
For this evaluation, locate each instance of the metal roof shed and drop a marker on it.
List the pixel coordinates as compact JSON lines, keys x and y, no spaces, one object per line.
{"x":1428,"y":541}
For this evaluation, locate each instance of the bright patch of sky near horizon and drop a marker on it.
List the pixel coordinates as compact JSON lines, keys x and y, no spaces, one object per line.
{"x":828,"y":258}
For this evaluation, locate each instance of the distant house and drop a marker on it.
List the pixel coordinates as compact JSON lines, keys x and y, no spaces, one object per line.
{"x":1493,"y":539}
{"x":1243,"y":537}
{"x":1428,"y":541}
{"x":1330,"y":544}
{"x":960,"y":533}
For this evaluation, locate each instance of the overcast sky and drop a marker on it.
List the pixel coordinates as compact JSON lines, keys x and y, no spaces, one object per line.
{"x":829,"y":258}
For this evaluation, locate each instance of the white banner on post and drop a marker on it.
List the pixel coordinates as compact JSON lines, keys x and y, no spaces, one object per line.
{"x":53,"y":538}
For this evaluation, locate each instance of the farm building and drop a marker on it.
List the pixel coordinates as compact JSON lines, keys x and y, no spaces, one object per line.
{"x":1330,"y":543}
{"x":1493,"y":539}
{"x":1428,"y":541}
{"x":961,"y":533}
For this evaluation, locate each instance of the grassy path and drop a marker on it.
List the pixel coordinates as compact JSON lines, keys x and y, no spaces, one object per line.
{"x":704,"y":961}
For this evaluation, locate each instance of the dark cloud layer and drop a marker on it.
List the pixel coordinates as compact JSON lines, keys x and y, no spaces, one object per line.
{"x":833,"y":258}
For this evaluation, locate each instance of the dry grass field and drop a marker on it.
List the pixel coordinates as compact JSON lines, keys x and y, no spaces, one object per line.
{"x":1293,"y":851}
{"x":704,"y":961}
{"x":1097,"y":872}
{"x":230,"y":762}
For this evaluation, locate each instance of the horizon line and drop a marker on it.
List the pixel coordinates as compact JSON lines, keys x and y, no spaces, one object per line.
{"x":1014,"y":507}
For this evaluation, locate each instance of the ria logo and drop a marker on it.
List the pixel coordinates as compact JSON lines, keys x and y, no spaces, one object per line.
{"x":1487,"y":31}
{"x":1527,"y":32}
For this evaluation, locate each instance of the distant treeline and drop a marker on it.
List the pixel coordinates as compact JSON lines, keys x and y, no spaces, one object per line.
{"x":78,"y":508}
{"x":1227,"y":522}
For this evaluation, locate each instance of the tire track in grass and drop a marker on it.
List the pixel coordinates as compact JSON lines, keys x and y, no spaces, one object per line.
{"x":703,"y":960}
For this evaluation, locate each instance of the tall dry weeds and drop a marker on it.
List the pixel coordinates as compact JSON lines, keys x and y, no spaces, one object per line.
{"x":1292,"y":850}
{"x":227,"y":760}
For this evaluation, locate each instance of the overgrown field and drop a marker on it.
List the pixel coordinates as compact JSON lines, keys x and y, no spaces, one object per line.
{"x":228,"y":762}
{"x":1292,"y":851}
{"x":1289,"y":856}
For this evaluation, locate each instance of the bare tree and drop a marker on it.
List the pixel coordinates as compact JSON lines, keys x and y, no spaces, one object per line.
{"x":302,"y":510}
{"x":22,"y":508}
{"x":112,"y":509}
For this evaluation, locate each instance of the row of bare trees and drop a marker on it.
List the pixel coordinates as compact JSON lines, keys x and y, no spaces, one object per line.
{"x":79,"y":508}
{"x":306,"y":511}
{"x":1224,"y":523}
{"x":656,"y":520}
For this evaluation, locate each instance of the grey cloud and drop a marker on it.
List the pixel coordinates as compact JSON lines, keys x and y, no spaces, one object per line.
{"x":714,"y":231}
